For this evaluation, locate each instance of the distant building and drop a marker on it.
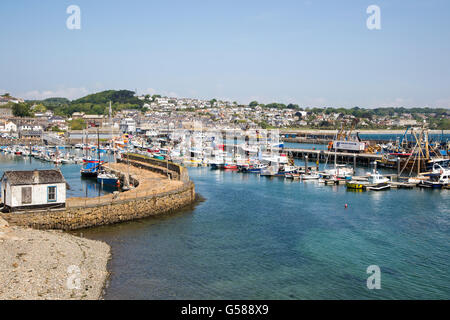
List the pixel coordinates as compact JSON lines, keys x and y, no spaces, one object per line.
{"x":78,"y":115}
{"x":128,"y":125}
{"x":7,"y":126}
{"x":37,"y":189}
{"x":6,"y":112}
{"x":405,"y":122}
{"x":5,"y":99}
{"x":94,"y":120}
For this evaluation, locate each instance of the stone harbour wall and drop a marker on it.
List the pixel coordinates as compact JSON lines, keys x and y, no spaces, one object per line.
{"x":109,"y":209}
{"x":115,"y":212}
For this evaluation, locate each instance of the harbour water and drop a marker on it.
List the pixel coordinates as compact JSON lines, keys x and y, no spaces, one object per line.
{"x":254,"y":237}
{"x":79,"y":187}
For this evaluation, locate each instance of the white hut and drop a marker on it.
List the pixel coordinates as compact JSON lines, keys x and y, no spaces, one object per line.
{"x":28,"y":190}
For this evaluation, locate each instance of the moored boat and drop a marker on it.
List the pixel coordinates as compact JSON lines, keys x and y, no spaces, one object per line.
{"x":108,"y":179}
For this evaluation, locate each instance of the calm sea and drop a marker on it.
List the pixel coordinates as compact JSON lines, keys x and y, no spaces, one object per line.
{"x":260,"y":238}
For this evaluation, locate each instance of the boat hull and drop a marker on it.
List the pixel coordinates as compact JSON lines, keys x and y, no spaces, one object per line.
{"x":108,"y":181}
{"x":355,"y":185}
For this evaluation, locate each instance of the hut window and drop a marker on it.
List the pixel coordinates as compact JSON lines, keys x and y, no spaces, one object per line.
{"x":51,"y":194}
{"x":26,"y":195}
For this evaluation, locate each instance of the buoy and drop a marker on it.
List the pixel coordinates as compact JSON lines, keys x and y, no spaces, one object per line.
{"x":346,"y":206}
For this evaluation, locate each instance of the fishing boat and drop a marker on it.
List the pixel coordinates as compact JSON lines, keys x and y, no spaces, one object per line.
{"x":437,"y":179}
{"x":356,"y":184}
{"x":230,"y":166}
{"x":91,"y":166}
{"x":90,"y":169}
{"x":109,"y":179}
{"x":256,"y":168}
{"x":286,"y":169}
{"x":375,"y":181}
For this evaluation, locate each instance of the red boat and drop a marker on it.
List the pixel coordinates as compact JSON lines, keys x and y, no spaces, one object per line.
{"x":230,"y":166}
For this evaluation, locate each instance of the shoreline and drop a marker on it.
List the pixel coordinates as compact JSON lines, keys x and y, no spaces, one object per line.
{"x":51,"y":265}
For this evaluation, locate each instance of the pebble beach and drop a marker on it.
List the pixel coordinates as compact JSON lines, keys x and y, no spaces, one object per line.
{"x":50,"y":265}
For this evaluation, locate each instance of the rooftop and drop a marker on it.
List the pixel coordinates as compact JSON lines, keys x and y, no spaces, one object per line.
{"x":34,"y":177}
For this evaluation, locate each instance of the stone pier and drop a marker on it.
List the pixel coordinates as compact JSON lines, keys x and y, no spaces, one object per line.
{"x":154,"y":193}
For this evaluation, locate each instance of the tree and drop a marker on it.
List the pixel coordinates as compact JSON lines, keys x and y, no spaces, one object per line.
{"x":21,"y":110}
{"x":56,"y":129}
{"x":293,"y":106}
{"x":253,"y":104}
{"x":77,"y":124}
{"x":39,"y":108}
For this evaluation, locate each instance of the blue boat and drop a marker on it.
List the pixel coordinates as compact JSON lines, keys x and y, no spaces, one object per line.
{"x":90,"y":168}
{"x":109,"y":179}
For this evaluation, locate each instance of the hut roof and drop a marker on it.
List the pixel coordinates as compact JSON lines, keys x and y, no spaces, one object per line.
{"x":34,"y":177}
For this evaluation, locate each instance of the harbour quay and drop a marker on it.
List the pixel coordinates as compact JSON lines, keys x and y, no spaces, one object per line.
{"x":341,"y":157}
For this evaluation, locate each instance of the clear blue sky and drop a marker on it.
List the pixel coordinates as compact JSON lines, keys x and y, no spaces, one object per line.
{"x":314,"y":53}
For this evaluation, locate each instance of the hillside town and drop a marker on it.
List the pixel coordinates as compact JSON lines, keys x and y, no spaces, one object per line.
{"x":156,"y":112}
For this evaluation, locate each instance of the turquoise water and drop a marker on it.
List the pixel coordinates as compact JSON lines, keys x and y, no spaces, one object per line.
{"x":79,"y":187}
{"x":260,"y":238}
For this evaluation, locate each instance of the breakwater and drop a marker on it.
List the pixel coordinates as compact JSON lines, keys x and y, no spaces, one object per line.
{"x":152,"y":194}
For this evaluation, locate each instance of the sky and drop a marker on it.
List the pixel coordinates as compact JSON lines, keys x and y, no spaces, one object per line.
{"x":312,"y":53}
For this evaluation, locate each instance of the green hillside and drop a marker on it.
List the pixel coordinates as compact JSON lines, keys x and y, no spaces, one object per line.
{"x":97,"y":103}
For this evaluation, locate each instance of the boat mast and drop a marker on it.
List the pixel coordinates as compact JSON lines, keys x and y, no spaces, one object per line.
{"x":98,"y":145}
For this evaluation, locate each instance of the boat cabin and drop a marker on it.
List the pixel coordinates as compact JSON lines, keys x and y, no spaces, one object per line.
{"x":29,"y":190}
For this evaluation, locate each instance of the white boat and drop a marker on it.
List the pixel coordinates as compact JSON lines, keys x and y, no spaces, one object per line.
{"x":438,"y":178}
{"x":310,"y":176}
{"x":340,"y":171}
{"x":375,"y":181}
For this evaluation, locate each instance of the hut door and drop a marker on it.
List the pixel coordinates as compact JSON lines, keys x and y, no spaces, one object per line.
{"x":26,"y":195}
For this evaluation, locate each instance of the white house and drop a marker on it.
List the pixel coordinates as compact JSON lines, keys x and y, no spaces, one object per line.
{"x":8,"y":126}
{"x":37,"y":189}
